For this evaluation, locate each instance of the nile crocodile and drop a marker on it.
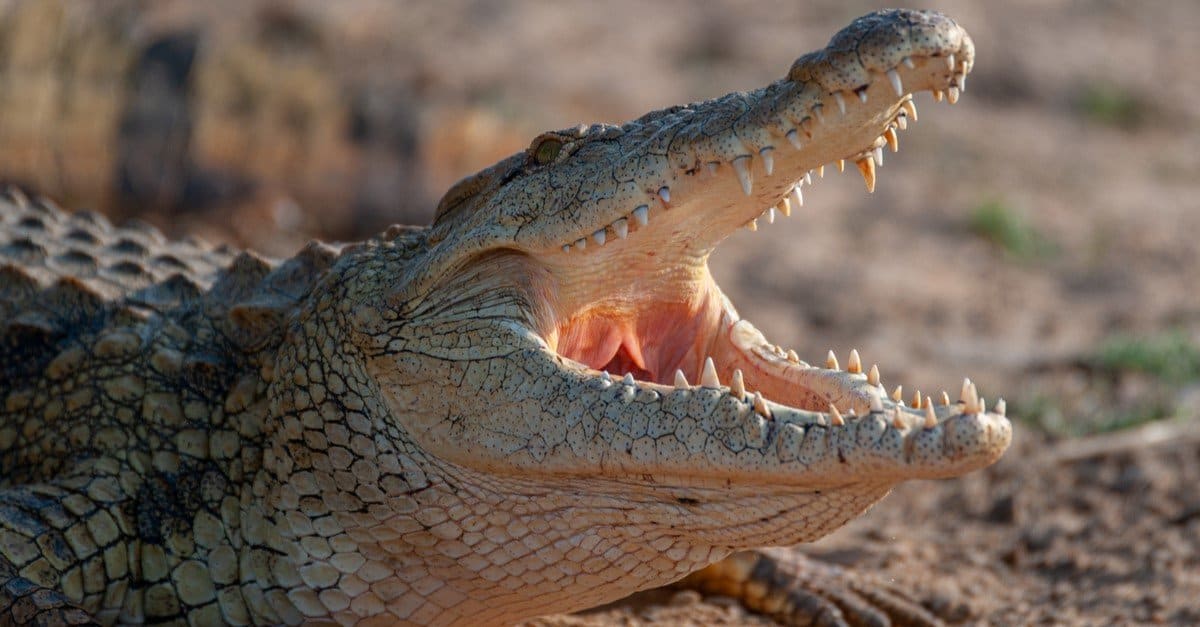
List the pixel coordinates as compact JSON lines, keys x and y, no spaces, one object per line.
{"x":489,"y":418}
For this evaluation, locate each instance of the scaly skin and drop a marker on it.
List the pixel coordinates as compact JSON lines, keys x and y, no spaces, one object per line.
{"x":417,"y":428}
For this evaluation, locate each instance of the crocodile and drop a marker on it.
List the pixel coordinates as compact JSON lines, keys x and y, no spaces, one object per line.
{"x":539,"y":403}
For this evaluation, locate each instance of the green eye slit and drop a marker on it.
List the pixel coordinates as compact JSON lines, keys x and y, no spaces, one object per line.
{"x":547,"y":151}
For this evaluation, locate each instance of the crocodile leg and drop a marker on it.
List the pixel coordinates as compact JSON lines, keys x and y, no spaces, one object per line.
{"x":66,"y":552}
{"x":797,"y":590}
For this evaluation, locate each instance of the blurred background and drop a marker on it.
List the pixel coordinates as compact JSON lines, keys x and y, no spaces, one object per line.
{"x":1040,"y":236}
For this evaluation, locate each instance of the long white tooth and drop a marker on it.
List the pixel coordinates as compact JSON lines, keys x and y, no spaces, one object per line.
{"x":785,"y":206}
{"x":600,"y":236}
{"x":793,"y":138}
{"x":898,"y":394}
{"x":712,"y":166}
{"x":892,"y":139}
{"x":945,"y":398}
{"x":878,"y":154}
{"x":966,"y":389}
{"x":797,"y":196}
{"x":841,"y":101}
{"x":894,"y":76}
{"x":952,"y":95}
{"x":876,"y":402}
{"x":902,"y":122}
{"x":835,"y":416}
{"x":972,"y":401}
{"x":743,"y":173}
{"x":961,"y":79}
{"x":854,"y":364}
{"x":916,"y":400}
{"x":642,"y":215}
{"x":760,"y":405}
{"x":907,"y":61}
{"x":808,"y":177}
{"x":664,"y":193}
{"x":680,"y":380}
{"x":708,"y":378}
{"x":621,"y":228}
{"x":821,"y":170}
{"x":767,"y":159}
{"x":982,"y":405}
{"x":950,"y":62}
{"x":862,"y":95}
{"x":866,"y":167}
{"x":581,"y":243}
{"x":628,"y":379}
{"x":566,"y":248}
{"x":911,"y":109}
{"x":770,"y":215}
{"x":737,"y":385}
{"x":819,"y":112}
{"x":831,"y":361}
{"x":1001,"y":407}
{"x":930,"y":416}
{"x":873,"y":375}
{"x":841,"y":165}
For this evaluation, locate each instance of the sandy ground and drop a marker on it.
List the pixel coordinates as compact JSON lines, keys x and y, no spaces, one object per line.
{"x":1079,"y":124}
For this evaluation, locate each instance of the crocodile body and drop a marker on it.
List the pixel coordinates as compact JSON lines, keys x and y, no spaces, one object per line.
{"x":482,"y":420}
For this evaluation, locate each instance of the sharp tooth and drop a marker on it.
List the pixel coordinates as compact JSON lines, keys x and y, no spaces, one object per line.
{"x":600,"y":237}
{"x":907,"y":63}
{"x":862,"y":94}
{"x":928,"y":402}
{"x":982,"y":405}
{"x":680,"y":380}
{"x":950,"y":62}
{"x":793,"y":357}
{"x":581,"y":244}
{"x":902,"y":122}
{"x":797,"y":196}
{"x":876,"y":402}
{"x":819,"y":111}
{"x":566,"y":248}
{"x":821,"y":171}
{"x":808,"y":177}
{"x":898,"y":394}
{"x":737,"y":385}
{"x":835,"y":416}
{"x":892,"y":139}
{"x":708,"y":378}
{"x":966,"y":389}
{"x":642,"y":215}
{"x":664,"y":193}
{"x":628,"y":379}
{"x":743,"y":173}
{"x":831,"y":361}
{"x":854,"y":364}
{"x":945,"y":398}
{"x":878,"y":155}
{"x":972,"y":401}
{"x":767,"y":159}
{"x":841,"y":101}
{"x":752,"y":225}
{"x":760,"y":405}
{"x":867,"y":168}
{"x":916,"y":399}
{"x":896,"y":84}
{"x":938,"y":95}
{"x":841,"y":165}
{"x":910,"y":108}
{"x":785,"y":206}
{"x":930,"y":417}
{"x":712,"y":167}
{"x":794,"y":139}
{"x":1001,"y":407}
{"x":621,"y":228}
{"x":962,"y":82}
{"x":952,"y":95}
{"x":873,"y":375}
{"x":770,"y":215}
{"x":604,"y":376}
{"x":898,"y":419}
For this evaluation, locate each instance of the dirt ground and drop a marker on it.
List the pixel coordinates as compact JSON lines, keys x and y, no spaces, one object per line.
{"x":1040,"y":237}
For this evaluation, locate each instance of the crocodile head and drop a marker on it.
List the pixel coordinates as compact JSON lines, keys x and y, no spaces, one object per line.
{"x":561,"y":360}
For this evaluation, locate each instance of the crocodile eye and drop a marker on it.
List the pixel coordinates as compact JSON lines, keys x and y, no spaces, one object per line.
{"x":547,"y":151}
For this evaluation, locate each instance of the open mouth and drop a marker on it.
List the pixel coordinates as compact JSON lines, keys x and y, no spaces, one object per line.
{"x":664,"y":324}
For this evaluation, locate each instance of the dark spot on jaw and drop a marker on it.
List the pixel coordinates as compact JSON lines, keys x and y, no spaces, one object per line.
{"x":687,"y":500}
